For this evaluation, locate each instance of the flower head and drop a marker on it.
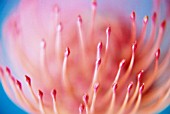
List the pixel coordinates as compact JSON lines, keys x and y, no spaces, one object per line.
{"x":71,"y":59}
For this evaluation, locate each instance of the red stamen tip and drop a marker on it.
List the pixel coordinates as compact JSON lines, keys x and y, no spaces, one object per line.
{"x":96,"y":87}
{"x":40,"y":94}
{"x":130,"y":86}
{"x":134,"y":46}
{"x":139,"y":75}
{"x":43,"y":43}
{"x":114,"y":87}
{"x":141,"y":88}
{"x":122,"y":63}
{"x":133,"y":16}
{"x":28,"y":80}
{"x":98,"y":61}
{"x":60,"y":27}
{"x":108,"y":30}
{"x":94,"y":4}
{"x":67,"y":52}
{"x":56,"y":8}
{"x":54,"y":93}
{"x":157,"y":54}
{"x":79,"y":19}
{"x":18,"y":83}
{"x":81,"y":107}
{"x":8,"y":71}
{"x":1,"y":71}
{"x":145,"y":19}
{"x":100,"y":45}
{"x":163,"y":24}
{"x":154,"y":17}
{"x":85,"y":98}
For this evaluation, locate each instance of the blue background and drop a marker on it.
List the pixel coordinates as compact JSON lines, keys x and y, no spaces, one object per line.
{"x":6,"y":106}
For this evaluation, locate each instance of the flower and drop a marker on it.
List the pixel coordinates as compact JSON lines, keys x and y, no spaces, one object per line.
{"x":70,"y":59}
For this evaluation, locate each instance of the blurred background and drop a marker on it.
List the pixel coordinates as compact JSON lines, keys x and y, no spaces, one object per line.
{"x":6,"y":105}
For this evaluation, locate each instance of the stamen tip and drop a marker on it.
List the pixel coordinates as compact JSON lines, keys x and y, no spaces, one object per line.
{"x":98,"y":61}
{"x":154,"y":16}
{"x":130,"y":86}
{"x":94,"y":3}
{"x":139,"y":75}
{"x":163,"y":24}
{"x":67,"y":52}
{"x":96,"y":87}
{"x":53,"y":93}
{"x":1,"y":71}
{"x":40,"y":94}
{"x":100,"y":45}
{"x":85,"y":98}
{"x":108,"y":30}
{"x":114,"y":87}
{"x":141,"y":88}
{"x":28,"y":80}
{"x":121,"y":64}
{"x":18,"y":83}
{"x":134,"y":46}
{"x":145,"y":19}
{"x":81,"y":108}
{"x":79,"y":19}
{"x":133,"y":15}
{"x":43,"y":43}
{"x":59,"y":27}
{"x":8,"y":70}
{"x":56,"y":8}
{"x":157,"y":54}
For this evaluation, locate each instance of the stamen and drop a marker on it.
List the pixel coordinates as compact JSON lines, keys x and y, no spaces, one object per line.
{"x":143,"y":33}
{"x":95,"y":77}
{"x":109,"y":93}
{"x":121,"y":64}
{"x":160,"y":35}
{"x":151,"y":79}
{"x":5,"y":84}
{"x":96,"y":87}
{"x":134,"y":46}
{"x":152,"y":33}
{"x":53,"y":95}
{"x":22,"y":95}
{"x":122,"y":109}
{"x":79,"y":24}
{"x":18,"y":84}
{"x":150,"y":56}
{"x":58,"y":42}
{"x":94,"y":7}
{"x":1,"y":72}
{"x":99,"y":50}
{"x":133,"y":28}
{"x":108,"y":32}
{"x":81,"y":108}
{"x":65,"y":78}
{"x":80,"y":31}
{"x":112,"y":103}
{"x":41,"y":104}
{"x":137,"y":88}
{"x":8,"y":71}
{"x":157,"y":55}
{"x":17,"y":88}
{"x":136,"y":106}
{"x":85,"y":100}
{"x":28,"y":80}
{"x":56,"y":11}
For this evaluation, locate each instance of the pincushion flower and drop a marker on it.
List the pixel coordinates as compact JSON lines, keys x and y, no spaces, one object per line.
{"x":69,"y":58}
